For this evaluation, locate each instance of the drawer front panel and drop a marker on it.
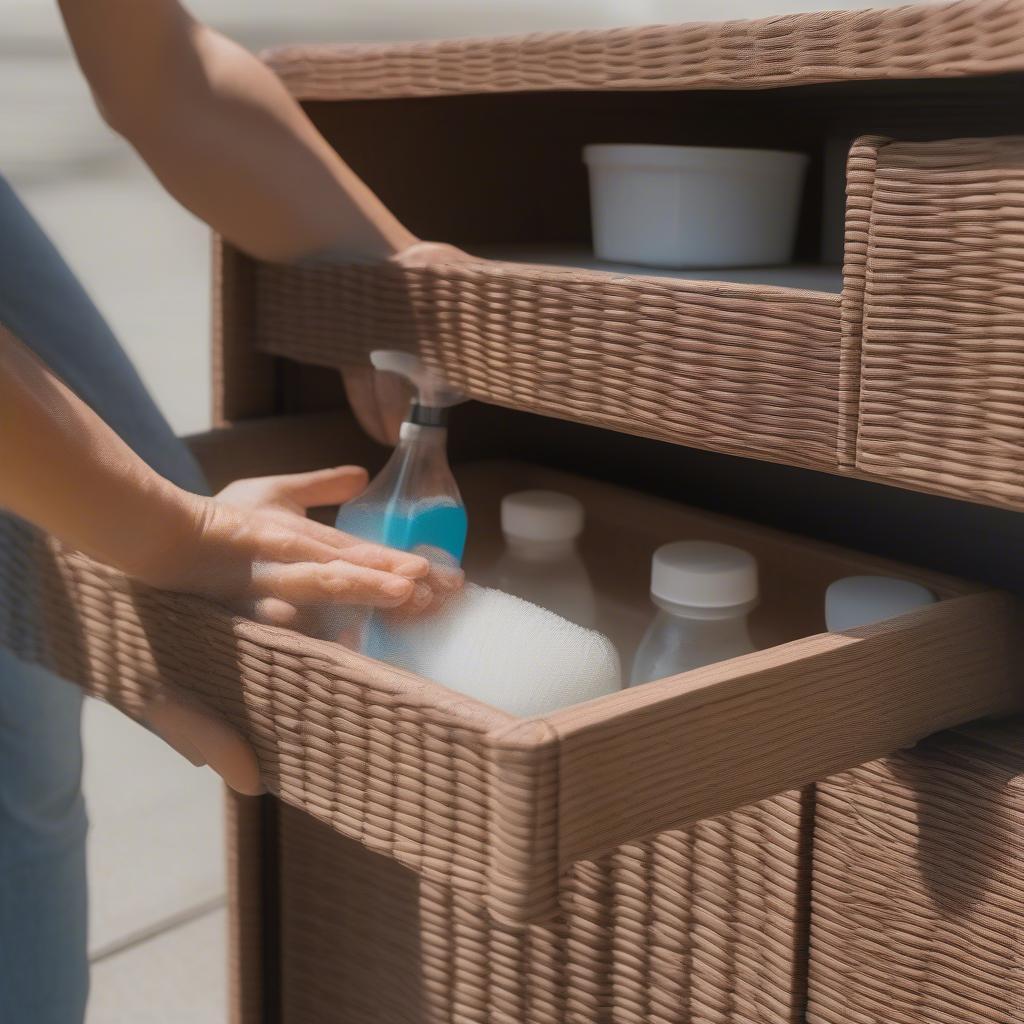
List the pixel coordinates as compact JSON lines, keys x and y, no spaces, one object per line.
{"x":941,"y":347}
{"x":743,"y":369}
{"x":692,"y":927}
{"x":918,"y":875}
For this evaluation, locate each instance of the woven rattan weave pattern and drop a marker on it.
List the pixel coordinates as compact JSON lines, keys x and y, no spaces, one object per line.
{"x":940,"y":403}
{"x":918,"y":874}
{"x":742,"y":369}
{"x":973,"y":37}
{"x":299,"y":704}
{"x":696,"y":926}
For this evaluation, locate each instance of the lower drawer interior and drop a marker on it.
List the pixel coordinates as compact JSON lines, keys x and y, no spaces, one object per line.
{"x":624,"y":528}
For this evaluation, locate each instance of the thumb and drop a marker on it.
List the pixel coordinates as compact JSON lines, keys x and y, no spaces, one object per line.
{"x":321,"y":486}
{"x":203,"y":739}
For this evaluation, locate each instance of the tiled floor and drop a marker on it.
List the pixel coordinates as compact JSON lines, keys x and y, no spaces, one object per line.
{"x":171,"y":979}
{"x":157,"y":833}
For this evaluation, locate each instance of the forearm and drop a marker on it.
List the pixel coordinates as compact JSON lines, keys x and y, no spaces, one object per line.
{"x":65,"y":470}
{"x":223,"y":135}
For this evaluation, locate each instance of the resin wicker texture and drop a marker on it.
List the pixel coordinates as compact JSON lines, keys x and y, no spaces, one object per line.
{"x":936,"y":280}
{"x":941,"y":40}
{"x":707,"y":924}
{"x":351,"y":744}
{"x":747,"y":370}
{"x":918,"y":877}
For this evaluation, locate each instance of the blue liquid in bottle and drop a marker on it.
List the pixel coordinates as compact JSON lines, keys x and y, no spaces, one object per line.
{"x":440,"y":525}
{"x":413,"y":504}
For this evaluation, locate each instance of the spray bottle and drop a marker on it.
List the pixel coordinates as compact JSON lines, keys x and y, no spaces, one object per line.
{"x":413,"y":502}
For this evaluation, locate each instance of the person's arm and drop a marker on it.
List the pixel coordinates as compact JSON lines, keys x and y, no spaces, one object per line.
{"x":223,"y":135}
{"x":64,"y":469}
{"x":227,"y":140}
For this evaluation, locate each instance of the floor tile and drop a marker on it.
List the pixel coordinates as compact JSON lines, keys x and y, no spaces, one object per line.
{"x":157,"y":829}
{"x":178,"y":977}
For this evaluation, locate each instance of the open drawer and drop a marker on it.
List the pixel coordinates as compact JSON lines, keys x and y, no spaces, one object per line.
{"x":500,"y":808}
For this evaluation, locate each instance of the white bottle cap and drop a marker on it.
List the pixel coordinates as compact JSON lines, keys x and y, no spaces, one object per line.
{"x":541,"y":516}
{"x":860,"y":600}
{"x":704,"y":574}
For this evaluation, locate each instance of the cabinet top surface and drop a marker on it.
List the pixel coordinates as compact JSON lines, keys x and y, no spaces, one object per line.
{"x":967,"y":38}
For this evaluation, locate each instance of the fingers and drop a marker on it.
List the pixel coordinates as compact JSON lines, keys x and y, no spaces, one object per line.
{"x":320,"y":487}
{"x":359,"y":551}
{"x":445,"y":573}
{"x":204,"y":739}
{"x":430,"y":254}
{"x":279,"y":536}
{"x":431,"y":593}
{"x":363,"y":401}
{"x":375,"y":556}
{"x":338,"y":581}
{"x":380,"y":401}
{"x":161,"y":718}
{"x":271,"y":611}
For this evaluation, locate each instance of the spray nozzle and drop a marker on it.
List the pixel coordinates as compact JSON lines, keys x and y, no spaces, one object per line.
{"x":432,"y":390}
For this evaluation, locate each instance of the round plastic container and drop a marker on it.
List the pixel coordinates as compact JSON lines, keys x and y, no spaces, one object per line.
{"x":694,"y":206}
{"x":861,"y":600}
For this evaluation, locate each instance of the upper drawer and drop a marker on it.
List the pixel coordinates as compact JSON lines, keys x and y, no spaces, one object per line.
{"x":741,"y":367}
{"x":500,"y":807}
{"x":934,"y":315}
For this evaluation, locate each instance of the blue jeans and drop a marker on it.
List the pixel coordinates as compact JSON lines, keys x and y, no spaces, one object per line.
{"x":43,"y":905}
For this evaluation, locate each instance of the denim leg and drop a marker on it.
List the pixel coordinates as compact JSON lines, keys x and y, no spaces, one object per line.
{"x":44,"y":976}
{"x":46,"y":307}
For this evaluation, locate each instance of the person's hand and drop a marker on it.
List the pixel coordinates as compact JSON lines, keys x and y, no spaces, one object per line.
{"x":294,"y":494}
{"x":431,"y":254}
{"x":273,"y":507}
{"x":252,"y":547}
{"x":380,"y":401}
{"x":204,"y":739}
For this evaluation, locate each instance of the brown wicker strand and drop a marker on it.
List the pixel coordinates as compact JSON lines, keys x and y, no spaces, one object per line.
{"x":972,"y":37}
{"x":750,"y":370}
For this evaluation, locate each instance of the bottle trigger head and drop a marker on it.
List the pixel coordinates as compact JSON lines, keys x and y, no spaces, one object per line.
{"x":432,"y":390}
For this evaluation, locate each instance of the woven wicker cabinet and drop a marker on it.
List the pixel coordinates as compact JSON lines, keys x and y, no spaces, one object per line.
{"x":424,"y":858}
{"x":919,"y":884}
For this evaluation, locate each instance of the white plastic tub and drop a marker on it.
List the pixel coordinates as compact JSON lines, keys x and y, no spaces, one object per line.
{"x":694,"y":206}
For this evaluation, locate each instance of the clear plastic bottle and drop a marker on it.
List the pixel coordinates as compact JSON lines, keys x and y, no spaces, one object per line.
{"x":541,"y":563}
{"x":413,"y":503}
{"x":704,"y":592}
{"x":414,"y":500}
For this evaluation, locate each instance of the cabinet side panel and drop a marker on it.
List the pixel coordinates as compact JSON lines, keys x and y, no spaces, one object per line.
{"x":244,"y":380}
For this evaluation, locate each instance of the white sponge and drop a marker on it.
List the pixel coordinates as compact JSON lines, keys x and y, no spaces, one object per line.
{"x":504,"y":651}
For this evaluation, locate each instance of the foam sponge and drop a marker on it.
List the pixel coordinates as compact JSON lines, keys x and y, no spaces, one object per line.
{"x":504,"y":651}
